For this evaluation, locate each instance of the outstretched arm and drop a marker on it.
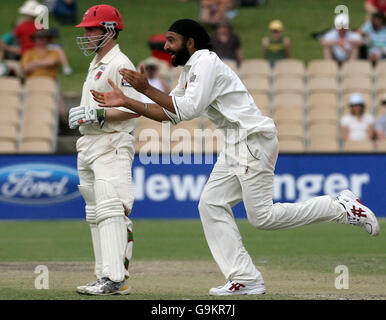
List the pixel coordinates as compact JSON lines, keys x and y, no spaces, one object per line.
{"x":118,"y":115}
{"x":139,"y":82}
{"x":116,"y":98}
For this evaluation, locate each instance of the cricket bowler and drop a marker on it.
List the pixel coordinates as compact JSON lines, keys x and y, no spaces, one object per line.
{"x":208,"y":87}
{"x":105,"y":153}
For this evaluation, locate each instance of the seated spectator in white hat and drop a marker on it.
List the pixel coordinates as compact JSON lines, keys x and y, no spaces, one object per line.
{"x":341,"y":44}
{"x":357,"y":125}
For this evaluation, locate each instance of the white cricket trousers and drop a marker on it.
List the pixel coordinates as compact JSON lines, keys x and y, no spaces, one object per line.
{"x":104,"y":167}
{"x":252,"y":182}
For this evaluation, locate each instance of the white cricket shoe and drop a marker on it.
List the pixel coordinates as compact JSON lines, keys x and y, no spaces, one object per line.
{"x":357,"y":213}
{"x":82,"y":289}
{"x":233,"y":288}
{"x":107,"y":287}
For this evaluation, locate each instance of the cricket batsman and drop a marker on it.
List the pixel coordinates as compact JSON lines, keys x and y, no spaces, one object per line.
{"x":105,"y":152}
{"x":209,"y":87}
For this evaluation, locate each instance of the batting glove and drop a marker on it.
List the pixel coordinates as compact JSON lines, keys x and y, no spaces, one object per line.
{"x":80,"y":115}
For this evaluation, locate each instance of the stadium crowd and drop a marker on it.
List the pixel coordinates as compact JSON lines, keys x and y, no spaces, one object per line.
{"x":26,"y":52}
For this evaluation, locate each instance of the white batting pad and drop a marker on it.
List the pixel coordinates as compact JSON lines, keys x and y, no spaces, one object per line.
{"x":108,"y":204}
{"x":113,"y":235}
{"x":89,"y":198}
{"x":112,"y":229}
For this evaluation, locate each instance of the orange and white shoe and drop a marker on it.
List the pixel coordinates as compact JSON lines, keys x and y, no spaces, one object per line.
{"x":357,"y":213}
{"x":233,"y":288}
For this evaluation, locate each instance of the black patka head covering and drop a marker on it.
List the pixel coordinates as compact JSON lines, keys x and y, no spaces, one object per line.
{"x":191,"y":29}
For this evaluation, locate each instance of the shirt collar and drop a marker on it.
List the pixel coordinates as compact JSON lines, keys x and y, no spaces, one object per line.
{"x":194,"y":57}
{"x":107,"y":58}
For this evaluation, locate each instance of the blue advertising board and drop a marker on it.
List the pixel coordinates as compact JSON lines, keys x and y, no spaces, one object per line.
{"x":45,"y":186}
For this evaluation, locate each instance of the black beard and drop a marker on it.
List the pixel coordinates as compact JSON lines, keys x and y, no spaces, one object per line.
{"x":181,"y":56}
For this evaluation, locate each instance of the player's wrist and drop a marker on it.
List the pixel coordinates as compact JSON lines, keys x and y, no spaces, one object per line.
{"x":130,"y":103}
{"x":126,"y":102}
{"x":147,"y":89}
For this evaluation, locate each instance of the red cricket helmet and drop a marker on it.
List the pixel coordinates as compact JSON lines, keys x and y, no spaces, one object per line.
{"x":99,"y":15}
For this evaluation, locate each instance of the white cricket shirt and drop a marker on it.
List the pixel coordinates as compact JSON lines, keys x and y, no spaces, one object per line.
{"x":209,"y":87}
{"x":96,"y":79}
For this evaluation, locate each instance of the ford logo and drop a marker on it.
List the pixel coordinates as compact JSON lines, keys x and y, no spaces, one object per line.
{"x":38,"y":184}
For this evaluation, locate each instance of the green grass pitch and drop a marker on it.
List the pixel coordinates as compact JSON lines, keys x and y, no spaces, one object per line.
{"x":172,"y":261}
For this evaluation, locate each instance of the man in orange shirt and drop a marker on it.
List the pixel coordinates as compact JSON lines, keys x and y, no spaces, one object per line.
{"x":41,"y":61}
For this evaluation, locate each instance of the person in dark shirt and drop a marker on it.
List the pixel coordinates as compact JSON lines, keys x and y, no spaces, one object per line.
{"x":227,"y":44}
{"x":65,"y":11}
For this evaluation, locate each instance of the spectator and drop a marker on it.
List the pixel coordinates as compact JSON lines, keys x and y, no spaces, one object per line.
{"x":341,"y":44}
{"x":50,"y":4}
{"x":276,"y":46}
{"x":65,"y":11}
{"x":10,"y":55}
{"x":54,"y":45}
{"x":5,"y":69}
{"x":10,"y":59}
{"x":156,"y":44}
{"x":357,"y":125}
{"x":227,"y":44}
{"x":372,"y":6}
{"x":25,"y":29}
{"x":151,"y":68}
{"x":374,"y":32}
{"x":9,"y":49}
{"x":380,"y":123}
{"x":215,"y":11}
{"x":41,"y":61}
